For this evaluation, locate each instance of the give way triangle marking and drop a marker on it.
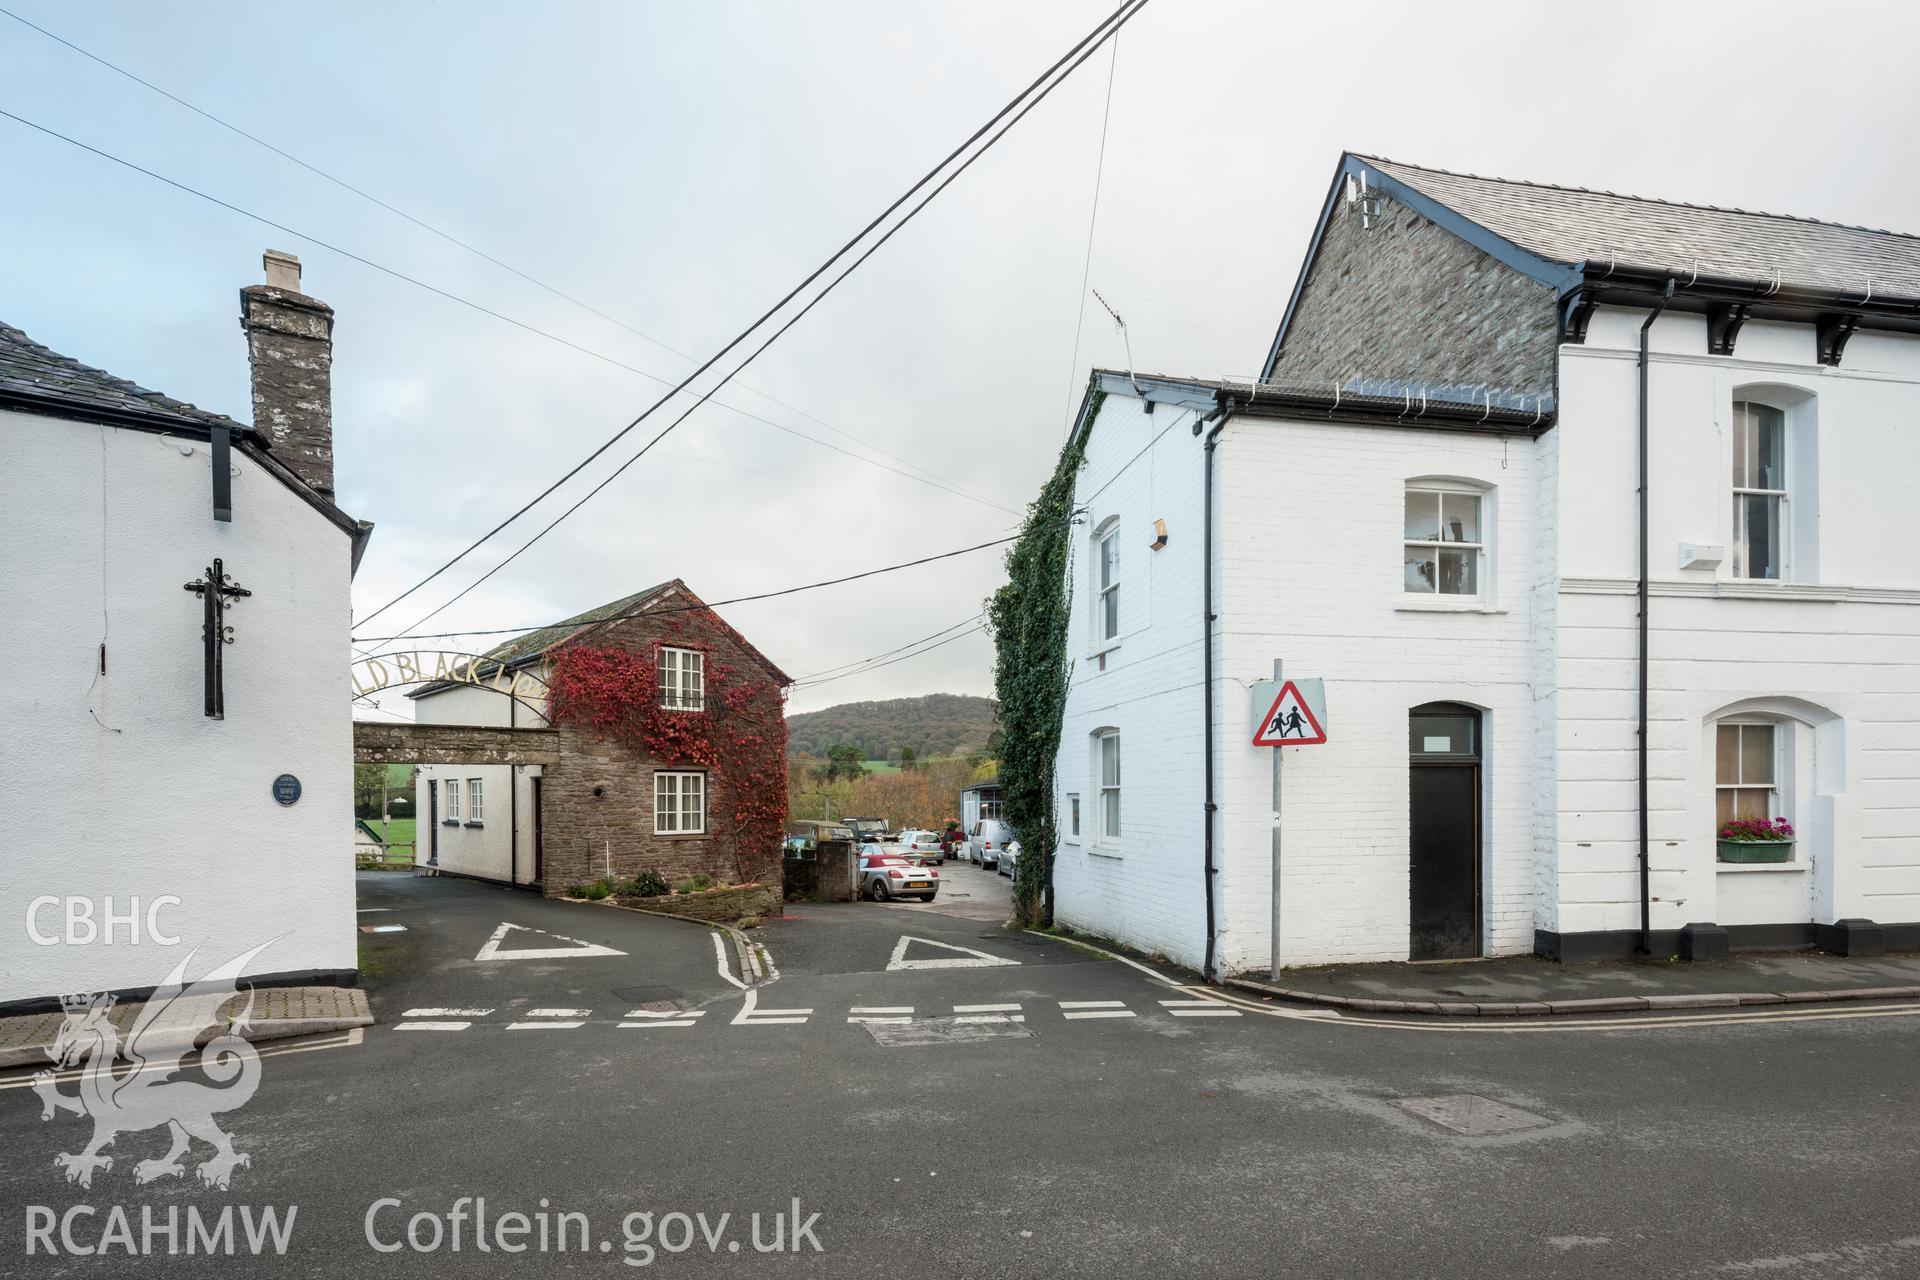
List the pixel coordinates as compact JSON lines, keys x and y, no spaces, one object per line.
{"x":966,"y":957}
{"x":493,"y":950}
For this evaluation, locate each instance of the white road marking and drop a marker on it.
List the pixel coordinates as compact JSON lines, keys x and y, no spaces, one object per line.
{"x":685,"y":1022}
{"x":1155,"y":974}
{"x":882,"y":1008}
{"x":990,"y":1017}
{"x":967,"y":957}
{"x":446,"y":1013}
{"x":676,"y":1013}
{"x":720,"y":959}
{"x":383,"y":928}
{"x":1098,"y":1013}
{"x":751,"y":1015}
{"x":557,"y":1013}
{"x":1093,"y":1004}
{"x":574,"y":949}
{"x":1204,"y":1013}
{"x":986,"y":1008}
{"x":546,"y":1025}
{"x":419,"y":1024}
{"x":368,"y":911}
{"x":885,"y":1022}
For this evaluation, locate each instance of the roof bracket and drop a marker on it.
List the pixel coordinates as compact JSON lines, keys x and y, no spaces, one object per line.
{"x":1831,"y":333}
{"x":1575,"y":310}
{"x":1723,"y":326}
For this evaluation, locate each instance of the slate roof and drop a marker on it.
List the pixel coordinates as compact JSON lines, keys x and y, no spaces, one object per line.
{"x":30,"y":370}
{"x":538,"y":642}
{"x":1572,"y":225}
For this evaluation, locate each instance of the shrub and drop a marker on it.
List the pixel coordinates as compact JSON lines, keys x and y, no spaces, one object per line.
{"x":699,"y":884}
{"x":645,"y":884}
{"x":597,"y":890}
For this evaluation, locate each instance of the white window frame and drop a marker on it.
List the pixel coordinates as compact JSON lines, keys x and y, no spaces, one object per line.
{"x":1780,"y":760}
{"x":1782,"y":496}
{"x":677,"y":781}
{"x":1106,"y":590}
{"x":1072,"y":824}
{"x":1481,"y":548}
{"x":1105,"y":837}
{"x":476,"y":797}
{"x":451,"y":795}
{"x":683,"y":679}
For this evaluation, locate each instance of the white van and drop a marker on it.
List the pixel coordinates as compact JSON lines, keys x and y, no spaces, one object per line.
{"x":985,"y":842}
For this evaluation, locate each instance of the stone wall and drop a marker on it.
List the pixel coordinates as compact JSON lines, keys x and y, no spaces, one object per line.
{"x":716,"y":906}
{"x":1405,"y":299}
{"x":597,"y":810}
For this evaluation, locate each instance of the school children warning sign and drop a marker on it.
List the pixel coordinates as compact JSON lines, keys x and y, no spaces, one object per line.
{"x":1289,"y":722}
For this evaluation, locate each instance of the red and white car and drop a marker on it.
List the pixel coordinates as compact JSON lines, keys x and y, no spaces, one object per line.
{"x":886,"y":876}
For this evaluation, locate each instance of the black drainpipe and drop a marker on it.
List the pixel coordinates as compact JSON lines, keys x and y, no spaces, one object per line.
{"x":1646,"y":891}
{"x":1222,"y":414}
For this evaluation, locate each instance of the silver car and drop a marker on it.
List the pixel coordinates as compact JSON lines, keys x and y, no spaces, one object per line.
{"x":920,"y":846}
{"x":884,"y":877}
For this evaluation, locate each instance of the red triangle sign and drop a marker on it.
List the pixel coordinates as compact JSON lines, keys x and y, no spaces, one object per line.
{"x":1289,"y":722}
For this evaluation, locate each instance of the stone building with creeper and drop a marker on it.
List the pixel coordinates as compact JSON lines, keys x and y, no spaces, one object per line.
{"x":673,"y":760}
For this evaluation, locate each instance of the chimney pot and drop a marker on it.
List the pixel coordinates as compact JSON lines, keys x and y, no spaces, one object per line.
{"x":283,"y":270}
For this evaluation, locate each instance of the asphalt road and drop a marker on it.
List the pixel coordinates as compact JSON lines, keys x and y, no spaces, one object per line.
{"x":1104,"y":1133}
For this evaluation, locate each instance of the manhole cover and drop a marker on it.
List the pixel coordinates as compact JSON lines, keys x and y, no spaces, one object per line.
{"x":1471,"y":1114}
{"x":944,"y":1031}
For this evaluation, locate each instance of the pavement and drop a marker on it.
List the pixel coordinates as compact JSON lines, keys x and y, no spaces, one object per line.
{"x":271,"y":1013}
{"x":1097,"y":1119}
{"x":1523,"y":985}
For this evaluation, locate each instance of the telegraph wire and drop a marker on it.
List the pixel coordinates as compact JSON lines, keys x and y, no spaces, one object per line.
{"x":776,"y":335}
{"x":456,"y":241}
{"x":814,"y":684}
{"x":1093,"y":221}
{"x":1089,"y":42}
{"x":861,"y":662}
{"x":715,"y":604}
{"x":507,"y":319}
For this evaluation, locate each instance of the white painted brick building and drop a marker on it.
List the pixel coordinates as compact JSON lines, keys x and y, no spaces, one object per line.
{"x":1479,"y":340}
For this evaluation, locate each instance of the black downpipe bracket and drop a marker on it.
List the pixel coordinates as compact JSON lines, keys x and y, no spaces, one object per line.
{"x":1646,"y":878}
{"x":1219,"y":417}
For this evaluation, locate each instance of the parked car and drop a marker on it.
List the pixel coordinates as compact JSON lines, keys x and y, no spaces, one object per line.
{"x":804,"y":836}
{"x":1010,"y":859}
{"x":985,"y":842}
{"x":868,"y":828}
{"x":884,"y":877}
{"x":923,"y":847}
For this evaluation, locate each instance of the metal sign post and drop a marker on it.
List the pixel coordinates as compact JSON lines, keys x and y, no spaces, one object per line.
{"x":1273,"y":953}
{"x":1289,"y":713}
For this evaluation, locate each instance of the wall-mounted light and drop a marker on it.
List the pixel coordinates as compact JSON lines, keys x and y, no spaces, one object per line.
{"x":1159,"y":534}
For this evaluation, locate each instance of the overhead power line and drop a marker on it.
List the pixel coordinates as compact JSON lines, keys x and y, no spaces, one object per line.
{"x":754,"y":355}
{"x":1088,"y":43}
{"x":1093,"y":221}
{"x":816,"y":675}
{"x":927,"y":475}
{"x":714,"y":604}
{"x":814,"y":684}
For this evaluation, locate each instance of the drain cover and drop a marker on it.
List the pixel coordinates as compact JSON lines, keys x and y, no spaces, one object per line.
{"x":1471,"y":1114}
{"x":944,"y":1031}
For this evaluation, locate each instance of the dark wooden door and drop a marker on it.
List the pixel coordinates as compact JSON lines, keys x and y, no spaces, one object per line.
{"x":433,"y":822}
{"x":539,"y":861}
{"x":1443,"y":846}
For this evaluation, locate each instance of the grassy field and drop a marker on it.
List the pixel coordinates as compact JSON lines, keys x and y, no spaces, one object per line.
{"x":879,"y":766}
{"x":399,"y":831}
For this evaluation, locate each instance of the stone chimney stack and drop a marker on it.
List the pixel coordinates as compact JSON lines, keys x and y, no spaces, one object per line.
{"x":290,"y":349}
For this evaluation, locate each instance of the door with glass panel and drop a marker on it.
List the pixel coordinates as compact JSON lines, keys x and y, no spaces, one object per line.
{"x":1443,"y":833}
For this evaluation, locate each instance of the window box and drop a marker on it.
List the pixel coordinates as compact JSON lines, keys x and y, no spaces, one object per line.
{"x":1756,"y":850}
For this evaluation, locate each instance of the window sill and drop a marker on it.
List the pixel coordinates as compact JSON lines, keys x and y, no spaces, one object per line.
{"x":1105,"y":851}
{"x":1416,"y":604}
{"x":449,"y":822}
{"x":1750,"y":868}
{"x":680,"y":835}
{"x":473,"y":824}
{"x":1103,"y":650}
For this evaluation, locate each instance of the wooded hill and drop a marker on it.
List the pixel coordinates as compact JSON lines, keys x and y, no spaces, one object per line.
{"x":937,"y":724}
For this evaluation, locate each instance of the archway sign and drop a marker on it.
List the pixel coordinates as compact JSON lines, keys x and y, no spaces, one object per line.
{"x":372,"y":675}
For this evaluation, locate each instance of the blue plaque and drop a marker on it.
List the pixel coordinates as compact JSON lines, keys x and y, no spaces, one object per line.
{"x":286,"y":789}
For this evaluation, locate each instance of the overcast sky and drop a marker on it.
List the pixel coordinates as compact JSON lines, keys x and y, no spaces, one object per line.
{"x":679,"y":166}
